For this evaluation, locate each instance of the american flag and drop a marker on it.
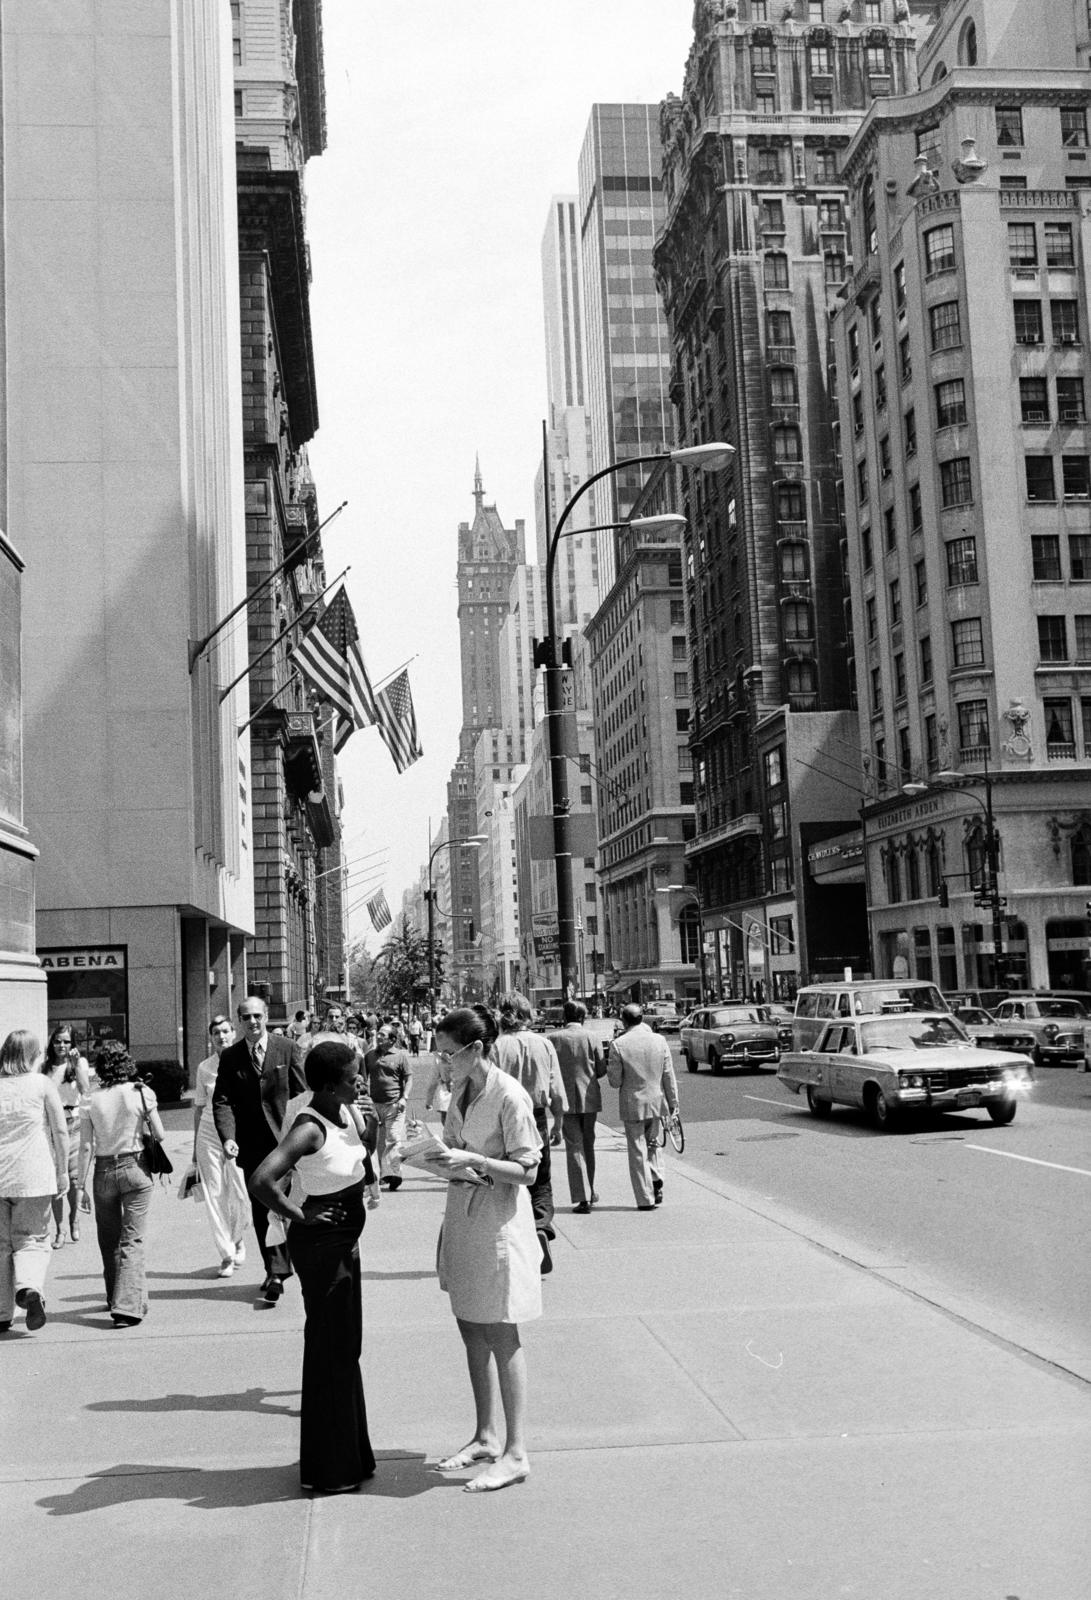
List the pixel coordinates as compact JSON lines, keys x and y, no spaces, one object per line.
{"x":398,"y":721}
{"x":378,"y":911}
{"x":330,"y":657}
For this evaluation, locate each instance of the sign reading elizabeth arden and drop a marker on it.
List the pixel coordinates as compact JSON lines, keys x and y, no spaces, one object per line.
{"x":88,"y":990}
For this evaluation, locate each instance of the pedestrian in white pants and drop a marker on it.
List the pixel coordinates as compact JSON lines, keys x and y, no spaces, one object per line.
{"x":223,"y":1186}
{"x":33,"y":1170}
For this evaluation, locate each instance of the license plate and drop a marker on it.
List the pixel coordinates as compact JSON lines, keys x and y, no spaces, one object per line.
{"x":969,"y":1097}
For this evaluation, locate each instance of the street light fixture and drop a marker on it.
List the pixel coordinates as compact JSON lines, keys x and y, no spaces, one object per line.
{"x":694,"y":900}
{"x":711,"y":457}
{"x":472,"y":841}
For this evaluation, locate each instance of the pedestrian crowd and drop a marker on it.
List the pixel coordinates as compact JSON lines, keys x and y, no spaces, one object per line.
{"x":294,"y":1132}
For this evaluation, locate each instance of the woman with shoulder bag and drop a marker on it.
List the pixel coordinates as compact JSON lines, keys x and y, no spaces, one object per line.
{"x":121,"y":1111}
{"x":323,"y":1143}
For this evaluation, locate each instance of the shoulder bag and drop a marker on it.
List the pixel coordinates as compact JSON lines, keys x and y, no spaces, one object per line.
{"x":160,"y":1164}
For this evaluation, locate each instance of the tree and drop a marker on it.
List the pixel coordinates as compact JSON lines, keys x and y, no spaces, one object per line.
{"x":401,"y":967}
{"x":363,"y":988}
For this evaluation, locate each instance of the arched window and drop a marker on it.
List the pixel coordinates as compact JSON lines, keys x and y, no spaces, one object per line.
{"x":1081,"y":855}
{"x":893,"y":872}
{"x":967,"y":49}
{"x":912,"y":873}
{"x":871,"y":236}
{"x":935,"y":867}
{"x":940,"y":73}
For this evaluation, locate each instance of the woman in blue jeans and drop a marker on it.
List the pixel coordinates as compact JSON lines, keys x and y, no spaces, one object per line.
{"x":120,"y":1111}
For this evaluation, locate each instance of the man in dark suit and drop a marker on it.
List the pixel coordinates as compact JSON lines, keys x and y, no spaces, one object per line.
{"x":257,"y":1077}
{"x":580,"y":1057}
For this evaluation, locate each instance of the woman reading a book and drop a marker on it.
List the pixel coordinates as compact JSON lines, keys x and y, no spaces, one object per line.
{"x":488,"y":1255}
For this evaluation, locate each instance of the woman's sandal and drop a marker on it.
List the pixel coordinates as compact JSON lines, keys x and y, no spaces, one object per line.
{"x":471,"y":1456}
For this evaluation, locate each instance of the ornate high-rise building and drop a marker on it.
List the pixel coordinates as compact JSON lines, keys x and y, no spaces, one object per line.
{"x":751,"y":259}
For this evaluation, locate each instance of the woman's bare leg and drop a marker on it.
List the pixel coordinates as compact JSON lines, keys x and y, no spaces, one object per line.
{"x":485,"y":1444}
{"x":511,"y":1375}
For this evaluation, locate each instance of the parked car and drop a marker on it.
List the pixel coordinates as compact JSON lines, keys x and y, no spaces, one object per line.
{"x":730,"y":1036}
{"x":819,"y":1003}
{"x":1055,"y":1028}
{"x":987,"y":999}
{"x":890,"y":1065}
{"x":662,"y":1016}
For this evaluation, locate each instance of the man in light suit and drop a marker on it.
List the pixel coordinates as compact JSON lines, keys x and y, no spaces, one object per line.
{"x":256,"y":1078}
{"x":581,"y":1063}
{"x":640,"y":1068}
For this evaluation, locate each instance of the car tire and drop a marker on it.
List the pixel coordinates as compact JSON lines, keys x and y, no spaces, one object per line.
{"x":1003,"y":1111}
{"x":883,"y":1115}
{"x":716,"y":1064}
{"x":691,"y":1065}
{"x":816,"y":1105}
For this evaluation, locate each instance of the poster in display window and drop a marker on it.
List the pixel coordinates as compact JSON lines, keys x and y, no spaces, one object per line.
{"x":88,"y":991}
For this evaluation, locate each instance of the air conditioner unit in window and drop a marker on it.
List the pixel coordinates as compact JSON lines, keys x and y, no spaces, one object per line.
{"x":1070,"y":415}
{"x":1036,"y":415}
{"x":1068,"y":338}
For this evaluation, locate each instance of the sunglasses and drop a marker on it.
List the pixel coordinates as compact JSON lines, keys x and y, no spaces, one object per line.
{"x":449,"y":1055}
{"x":251,"y":1016}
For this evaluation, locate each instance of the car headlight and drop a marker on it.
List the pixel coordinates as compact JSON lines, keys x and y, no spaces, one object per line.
{"x":784,"y":1035}
{"x":910,"y":1080}
{"x":1051,"y":1031}
{"x":727,"y":1040}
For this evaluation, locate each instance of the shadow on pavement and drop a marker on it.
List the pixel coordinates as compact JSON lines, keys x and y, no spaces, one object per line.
{"x":387,"y":1277}
{"x":244,"y":1400}
{"x":400,"y":1476}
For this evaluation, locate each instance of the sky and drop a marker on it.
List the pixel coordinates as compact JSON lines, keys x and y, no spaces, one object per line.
{"x":450,"y":125}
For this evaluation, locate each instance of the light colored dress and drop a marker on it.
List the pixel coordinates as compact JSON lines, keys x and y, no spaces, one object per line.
{"x":222,"y":1181}
{"x":489,"y":1258}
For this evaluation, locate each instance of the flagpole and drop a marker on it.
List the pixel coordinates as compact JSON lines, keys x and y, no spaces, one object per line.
{"x":392,"y":675}
{"x":267,"y":703}
{"x":281,"y":636}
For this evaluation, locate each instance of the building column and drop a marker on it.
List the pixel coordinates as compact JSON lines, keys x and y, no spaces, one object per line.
{"x":219,"y":963}
{"x":237,"y":981}
{"x":195,"y":968}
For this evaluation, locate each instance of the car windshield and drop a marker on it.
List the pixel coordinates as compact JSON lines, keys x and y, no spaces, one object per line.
{"x":972,"y":1014}
{"x":1056,"y":1008}
{"x":910,"y":1033}
{"x":737,"y":1016}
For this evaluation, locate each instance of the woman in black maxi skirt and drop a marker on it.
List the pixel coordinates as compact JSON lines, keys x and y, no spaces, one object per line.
{"x":325,"y":1146}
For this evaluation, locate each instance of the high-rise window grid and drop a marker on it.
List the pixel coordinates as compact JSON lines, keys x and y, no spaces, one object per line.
{"x":1033,"y":400}
{"x":1028,"y":321}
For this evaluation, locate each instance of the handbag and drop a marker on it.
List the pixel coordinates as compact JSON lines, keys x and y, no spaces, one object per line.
{"x":160,"y":1164}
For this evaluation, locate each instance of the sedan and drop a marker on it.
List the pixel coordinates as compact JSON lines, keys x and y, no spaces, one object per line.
{"x":730,"y":1036}
{"x":893,"y":1065}
{"x":1053,"y":1030}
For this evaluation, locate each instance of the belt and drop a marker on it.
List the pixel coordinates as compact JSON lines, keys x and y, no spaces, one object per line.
{"x":126,"y":1155}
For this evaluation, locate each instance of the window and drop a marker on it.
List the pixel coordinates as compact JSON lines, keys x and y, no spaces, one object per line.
{"x":814,"y":10}
{"x":1034,"y":399}
{"x":1059,"y":251}
{"x":884,"y":456}
{"x":871,"y":617}
{"x":1052,"y":638}
{"x":905,"y":359}
{"x":764,"y":58}
{"x":1060,"y":730}
{"x":895,"y":597}
{"x":1022,"y":245}
{"x":833,"y":268}
{"x":899,"y":676}
{"x":1075,"y":477}
{"x":857,"y":414}
{"x":678,"y":647}
{"x":954,"y":482}
{"x":876,"y":319}
{"x":778,"y":328}
{"x":787,"y":445}
{"x":1012,"y":180}
{"x":1028,"y":322}
{"x":1074,"y":127}
{"x":867,"y":195}
{"x":865,"y":548}
{"x":797,"y":620}
{"x":790,"y":502}
{"x":802,"y":683}
{"x":1065,"y":321}
{"x":961,"y":561}
{"x":1040,"y":484}
{"x":928,"y":142}
{"x":973,"y":725}
{"x":772,"y":216}
{"x":920,"y":583}
{"x":819,"y":60}
{"x":898,"y":277}
{"x":1079,"y":557}
{"x":768,"y":158}
{"x":950,"y":403}
{"x":890,"y":528}
{"x":1083,"y":638}
{"x":875,"y":58}
{"x":759,"y":10}
{"x":939,"y":249}
{"x":793,"y":562}
{"x":585,"y":794}
{"x":873,"y":10}
{"x":893,"y":871}
{"x":946,"y":330}
{"x":967,"y":645}
{"x":1009,"y":125}
{"x":916,"y":516}
{"x":783,"y":386}
{"x":926,"y":659}
{"x":1070,"y":400}
{"x":861,"y":482}
{"x":681,"y":685}
{"x":776,"y":270}
{"x":825,"y":162}
{"x":830,"y":215}
{"x":876,"y":691}
{"x":685,"y":794}
{"x":1045,"y":553}
{"x":880,"y":386}
{"x":931,"y":746}
{"x":854,"y":347}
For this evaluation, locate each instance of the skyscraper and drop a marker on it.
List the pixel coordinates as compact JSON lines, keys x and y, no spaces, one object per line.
{"x":628,"y":352}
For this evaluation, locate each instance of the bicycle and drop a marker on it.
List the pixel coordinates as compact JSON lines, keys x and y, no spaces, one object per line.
{"x":673,"y":1129}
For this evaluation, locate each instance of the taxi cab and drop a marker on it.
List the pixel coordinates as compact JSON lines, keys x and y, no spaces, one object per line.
{"x":736,"y":1035}
{"x":911,"y":1061}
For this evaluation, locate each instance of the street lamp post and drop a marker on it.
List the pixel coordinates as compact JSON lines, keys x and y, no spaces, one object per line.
{"x":989,"y":893}
{"x":693,"y":900}
{"x":707,"y":457}
{"x":473,"y":841}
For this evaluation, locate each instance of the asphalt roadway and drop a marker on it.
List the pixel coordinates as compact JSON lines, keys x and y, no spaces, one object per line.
{"x":720,"y":1406}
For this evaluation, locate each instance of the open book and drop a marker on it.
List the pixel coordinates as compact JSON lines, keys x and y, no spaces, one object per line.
{"x":423,"y":1152}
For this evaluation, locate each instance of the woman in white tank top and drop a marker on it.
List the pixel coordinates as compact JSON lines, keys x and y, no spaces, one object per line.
{"x":324,"y":1146}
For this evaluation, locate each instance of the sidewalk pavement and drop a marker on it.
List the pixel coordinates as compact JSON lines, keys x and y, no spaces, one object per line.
{"x":718,"y":1407}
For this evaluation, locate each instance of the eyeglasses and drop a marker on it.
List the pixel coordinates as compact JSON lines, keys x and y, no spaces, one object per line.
{"x":449,"y":1055}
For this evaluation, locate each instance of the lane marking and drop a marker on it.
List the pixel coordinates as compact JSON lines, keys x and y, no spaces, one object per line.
{"x":1056,"y":1165}
{"x":785,"y":1105}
